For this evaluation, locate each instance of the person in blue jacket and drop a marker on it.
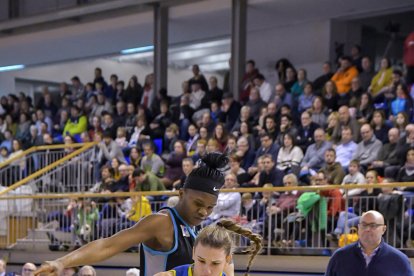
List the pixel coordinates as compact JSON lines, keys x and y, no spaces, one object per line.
{"x":213,"y":250}
{"x":370,"y":255}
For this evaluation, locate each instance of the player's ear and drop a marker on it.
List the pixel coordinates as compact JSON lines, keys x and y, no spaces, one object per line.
{"x":229,"y":258}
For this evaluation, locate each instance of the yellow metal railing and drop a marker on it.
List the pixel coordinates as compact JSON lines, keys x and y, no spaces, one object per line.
{"x":240,"y":190}
{"x":82,"y":148}
{"x":38,"y":148}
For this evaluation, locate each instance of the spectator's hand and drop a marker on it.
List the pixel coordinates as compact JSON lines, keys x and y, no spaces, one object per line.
{"x":252,"y":170}
{"x":378,"y":164}
{"x":53,"y":268}
{"x":272,"y":210}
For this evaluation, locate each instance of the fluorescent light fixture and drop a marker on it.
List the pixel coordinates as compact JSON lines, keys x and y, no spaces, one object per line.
{"x":137,"y":50}
{"x":11,"y":67}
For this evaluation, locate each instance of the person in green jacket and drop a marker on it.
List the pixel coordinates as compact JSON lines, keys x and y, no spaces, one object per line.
{"x":147,"y":181}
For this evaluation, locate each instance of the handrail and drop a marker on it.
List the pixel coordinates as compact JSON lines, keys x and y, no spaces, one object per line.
{"x":241,"y":190}
{"x":36,"y":148}
{"x":16,"y":185}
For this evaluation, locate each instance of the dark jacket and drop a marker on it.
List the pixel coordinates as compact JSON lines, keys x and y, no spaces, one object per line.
{"x":387,"y":261}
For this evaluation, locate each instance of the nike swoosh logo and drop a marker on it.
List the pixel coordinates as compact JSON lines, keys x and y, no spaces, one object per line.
{"x":215,"y":189}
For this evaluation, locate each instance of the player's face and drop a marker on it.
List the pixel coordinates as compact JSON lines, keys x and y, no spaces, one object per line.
{"x":209,"y":261}
{"x":197,"y":205}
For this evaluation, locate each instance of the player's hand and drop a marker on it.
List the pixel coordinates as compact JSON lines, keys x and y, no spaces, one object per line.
{"x":53,"y":268}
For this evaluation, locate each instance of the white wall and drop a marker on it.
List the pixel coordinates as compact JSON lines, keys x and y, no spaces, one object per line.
{"x":306,"y":45}
{"x":84,"y":69}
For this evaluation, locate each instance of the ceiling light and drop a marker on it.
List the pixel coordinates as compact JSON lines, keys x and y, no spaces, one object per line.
{"x":138,"y":50}
{"x":11,"y":67}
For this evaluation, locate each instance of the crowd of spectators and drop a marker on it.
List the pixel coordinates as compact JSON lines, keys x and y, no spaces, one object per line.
{"x":352,"y":119}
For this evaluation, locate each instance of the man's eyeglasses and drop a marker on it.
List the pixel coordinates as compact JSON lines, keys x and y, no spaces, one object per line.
{"x":372,"y":226}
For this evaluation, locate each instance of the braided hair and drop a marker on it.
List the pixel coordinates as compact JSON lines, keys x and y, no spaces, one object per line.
{"x":218,"y":236}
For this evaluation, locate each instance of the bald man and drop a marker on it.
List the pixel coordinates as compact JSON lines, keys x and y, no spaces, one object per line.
{"x":28,"y":269}
{"x":370,"y":255}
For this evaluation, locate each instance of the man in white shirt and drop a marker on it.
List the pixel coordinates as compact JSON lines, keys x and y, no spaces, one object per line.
{"x":264,"y":87}
{"x":228,"y":204}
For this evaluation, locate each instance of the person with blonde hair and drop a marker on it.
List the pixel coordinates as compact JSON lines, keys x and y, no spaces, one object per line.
{"x":213,"y":249}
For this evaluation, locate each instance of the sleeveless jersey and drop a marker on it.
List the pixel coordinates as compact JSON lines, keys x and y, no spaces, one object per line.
{"x":185,"y":270}
{"x":153,"y":261}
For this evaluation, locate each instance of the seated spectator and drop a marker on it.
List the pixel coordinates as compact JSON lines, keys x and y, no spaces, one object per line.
{"x":332,"y":122}
{"x":250,"y":210}
{"x":213,"y":145}
{"x":267,"y":147}
{"x":353,"y":97}
{"x":77,"y":122}
{"x":23,"y":128}
{"x":7,"y":141}
{"x":28,"y":269}
{"x":289,"y":156}
{"x":122,"y":183}
{"x":367,"y":73}
{"x":286,"y":126}
{"x":264,"y":87}
{"x":255,"y":104}
{"x":382,"y":79}
{"x":365,"y":109}
{"x":71,"y":271}
{"x":206,"y":121}
{"x":318,"y":112}
{"x":228,"y":204}
{"x":333,"y":170}
{"x":109,"y":124}
{"x":406,"y":173}
{"x":201,"y":150}
{"x":330,"y":96}
{"x":107,"y":181}
{"x":187,"y":167}
{"x":378,"y":124}
{"x":140,"y":133}
{"x":230,"y":110}
{"x":115,"y":164}
{"x":314,"y":156}
{"x":161,"y":121}
{"x":87,"y":270}
{"x":121,"y":138}
{"x":191,"y":142}
{"x":221,"y":136}
{"x":367,"y":150}
{"x":173,"y":170}
{"x":203,"y":133}
{"x":234,"y":161}
{"x":306,"y":99}
{"x":402,"y":102}
{"x":387,"y":155}
{"x":401,"y":121}
{"x":345,"y":119}
{"x":4,"y":154}
{"x":354,"y":177}
{"x":297,"y":88}
{"x":270,"y":173}
{"x":151,"y":162}
{"x":344,"y":75}
{"x":282,"y":96}
{"x":306,"y":131}
{"x":320,"y":81}
{"x":109,"y":149}
{"x":147,"y":181}
{"x":346,"y":148}
{"x":135,"y":157}
{"x":245,"y":152}
{"x":95,"y":127}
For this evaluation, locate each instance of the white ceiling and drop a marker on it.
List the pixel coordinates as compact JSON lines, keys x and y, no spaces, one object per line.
{"x":191,"y":26}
